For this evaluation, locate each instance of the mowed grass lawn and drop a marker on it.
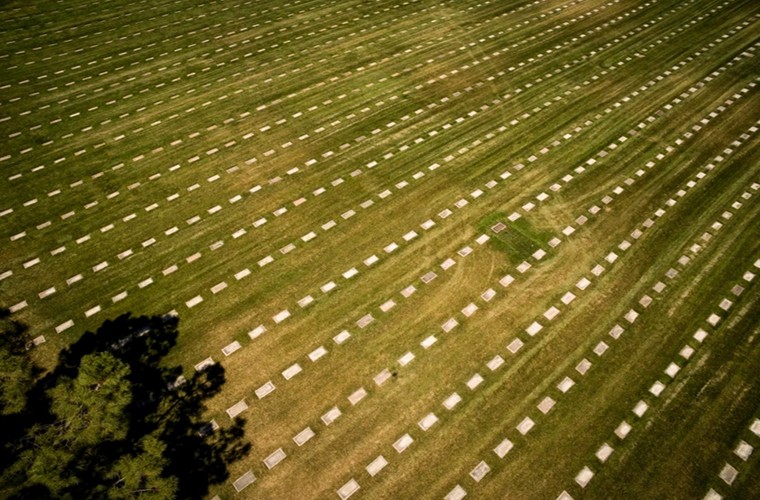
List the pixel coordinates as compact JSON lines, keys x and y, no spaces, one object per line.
{"x":457,"y":241}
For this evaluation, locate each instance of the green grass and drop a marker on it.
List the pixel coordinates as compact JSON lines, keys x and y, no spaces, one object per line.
{"x":350,"y":69}
{"x":519,"y":241}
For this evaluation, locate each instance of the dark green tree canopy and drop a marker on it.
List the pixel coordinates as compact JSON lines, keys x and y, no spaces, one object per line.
{"x":17,"y":371}
{"x":109,"y":420}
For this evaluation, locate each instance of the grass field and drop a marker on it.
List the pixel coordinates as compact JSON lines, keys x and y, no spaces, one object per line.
{"x":512,"y":231}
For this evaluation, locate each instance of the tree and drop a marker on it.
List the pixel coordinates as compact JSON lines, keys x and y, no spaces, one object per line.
{"x":109,"y":421}
{"x":17,"y":372}
{"x":88,"y":411}
{"x":141,"y":475}
{"x":91,"y":408}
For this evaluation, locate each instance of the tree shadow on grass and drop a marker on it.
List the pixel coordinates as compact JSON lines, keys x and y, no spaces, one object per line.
{"x":163,"y":405}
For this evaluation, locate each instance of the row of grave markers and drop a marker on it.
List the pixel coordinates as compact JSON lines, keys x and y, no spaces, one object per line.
{"x":242,"y":44}
{"x":162,"y":28}
{"x":331,"y":80}
{"x":527,"y":424}
{"x":631,"y":316}
{"x":429,"y":421}
{"x":587,"y":473}
{"x":67,"y":324}
{"x":608,"y":108}
{"x":728,"y":473}
{"x":527,"y":207}
{"x":556,"y":47}
{"x":107,"y":227}
{"x":472,"y":308}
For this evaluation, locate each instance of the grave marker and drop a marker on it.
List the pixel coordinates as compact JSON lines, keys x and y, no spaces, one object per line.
{"x":457,"y":493}
{"x":376,"y":465}
{"x":302,"y":437}
{"x":428,"y":421}
{"x":243,"y":481}
{"x":584,"y":476}
{"x":236,"y":409}
{"x":403,"y":443}
{"x":275,"y":458}
{"x":229,"y":349}
{"x":265,"y":389}
{"x":450,"y":402}
{"x":348,"y":489}
{"x":480,"y":471}
{"x":525,"y":425}
{"x":604,"y":452}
